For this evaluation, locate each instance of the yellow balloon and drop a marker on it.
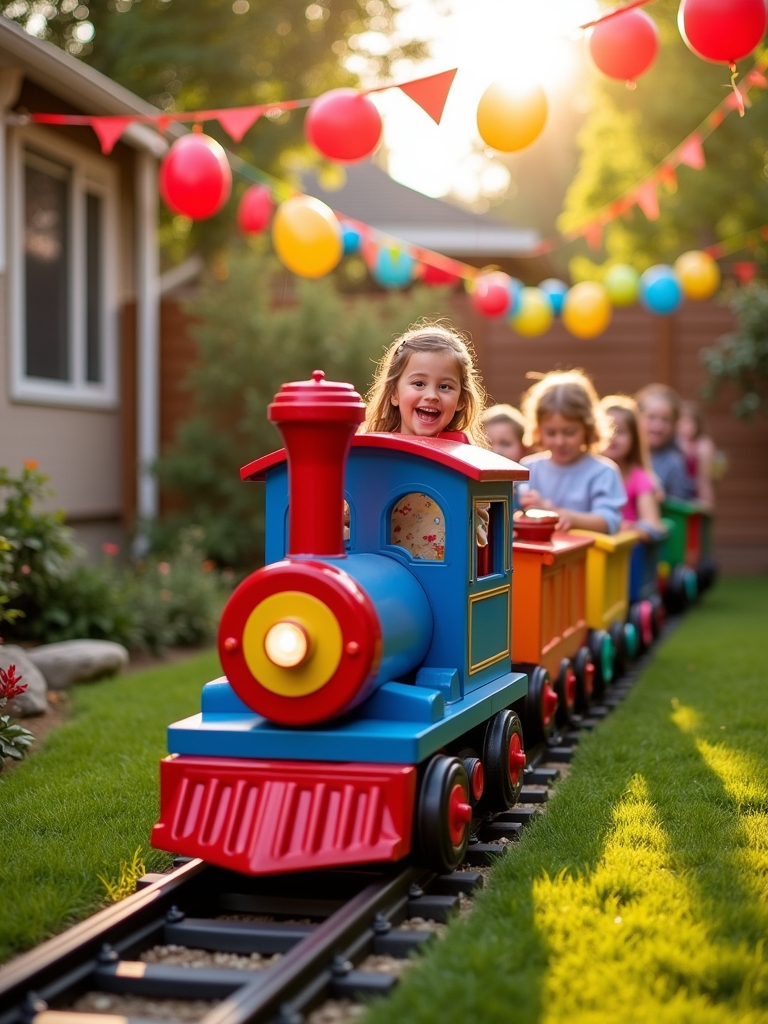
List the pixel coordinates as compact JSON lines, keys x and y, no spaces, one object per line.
{"x":509,"y":117}
{"x":699,"y":274}
{"x":533,"y":313}
{"x":587,"y":309}
{"x":307,"y":236}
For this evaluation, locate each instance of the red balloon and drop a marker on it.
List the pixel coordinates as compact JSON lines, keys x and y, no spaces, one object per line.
{"x":722,"y":31}
{"x":255,"y":210}
{"x":492,"y":295}
{"x":343,"y":125}
{"x":435,"y":276}
{"x":625,"y":45}
{"x":195,"y":178}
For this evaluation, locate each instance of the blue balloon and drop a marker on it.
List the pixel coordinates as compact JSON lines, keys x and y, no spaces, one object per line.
{"x":555,"y":290}
{"x":660,"y":290}
{"x":351,"y":239}
{"x":393,"y":268}
{"x":515,"y":291}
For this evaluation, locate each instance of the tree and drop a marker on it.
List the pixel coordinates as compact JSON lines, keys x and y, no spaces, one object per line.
{"x":180,"y":55}
{"x":249,"y":344}
{"x":628,"y":133}
{"x":741,"y":357}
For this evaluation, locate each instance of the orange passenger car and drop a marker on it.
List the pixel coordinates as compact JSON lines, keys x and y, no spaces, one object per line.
{"x":549,"y":628}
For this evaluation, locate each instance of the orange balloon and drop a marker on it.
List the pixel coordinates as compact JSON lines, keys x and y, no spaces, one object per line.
{"x":511,"y":117}
{"x":698,"y":273}
{"x":586,"y":309}
{"x":307,"y":236}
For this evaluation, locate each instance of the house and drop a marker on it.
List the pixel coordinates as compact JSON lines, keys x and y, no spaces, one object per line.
{"x":78,"y":246}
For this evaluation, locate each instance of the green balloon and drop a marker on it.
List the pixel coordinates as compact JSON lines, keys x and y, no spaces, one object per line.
{"x":622,"y":282}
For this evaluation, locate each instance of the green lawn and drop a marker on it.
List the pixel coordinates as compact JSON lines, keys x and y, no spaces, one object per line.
{"x":642,"y":894}
{"x":88,"y":799}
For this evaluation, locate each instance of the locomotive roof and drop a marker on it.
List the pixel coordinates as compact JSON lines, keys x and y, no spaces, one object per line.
{"x":467,"y":459}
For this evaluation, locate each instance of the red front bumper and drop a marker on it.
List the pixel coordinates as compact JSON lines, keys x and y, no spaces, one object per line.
{"x":269,"y":817}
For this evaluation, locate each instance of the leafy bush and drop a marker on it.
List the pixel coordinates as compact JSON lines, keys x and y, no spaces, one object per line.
{"x":249,"y":344}
{"x":41,"y":548}
{"x":150,"y":606}
{"x":742,"y":357}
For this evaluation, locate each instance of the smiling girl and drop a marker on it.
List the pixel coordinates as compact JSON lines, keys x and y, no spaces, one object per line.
{"x":427,"y":385}
{"x":563,"y":416}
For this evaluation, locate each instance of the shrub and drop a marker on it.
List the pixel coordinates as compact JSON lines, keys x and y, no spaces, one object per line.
{"x":248,"y":346}
{"x":742,"y":356}
{"x":151,"y":606}
{"x":41,"y":548}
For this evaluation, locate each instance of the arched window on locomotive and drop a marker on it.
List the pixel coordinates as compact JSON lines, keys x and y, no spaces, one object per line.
{"x":491,"y":537}
{"x":417,"y":525}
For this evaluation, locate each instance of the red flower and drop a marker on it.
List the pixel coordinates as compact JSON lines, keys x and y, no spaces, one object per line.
{"x":25,"y":570}
{"x":30,"y":464}
{"x":110,"y":549}
{"x":10,"y":683}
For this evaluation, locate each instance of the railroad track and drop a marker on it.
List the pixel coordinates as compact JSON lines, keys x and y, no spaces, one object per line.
{"x":201,"y":945}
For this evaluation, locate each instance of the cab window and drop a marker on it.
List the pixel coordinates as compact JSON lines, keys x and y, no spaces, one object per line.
{"x":417,"y":524}
{"x":491,"y":538}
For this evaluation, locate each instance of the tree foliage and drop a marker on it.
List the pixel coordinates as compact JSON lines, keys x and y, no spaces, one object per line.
{"x":249,"y":344}
{"x":183,"y":55}
{"x":741,"y":357}
{"x":628,"y":133}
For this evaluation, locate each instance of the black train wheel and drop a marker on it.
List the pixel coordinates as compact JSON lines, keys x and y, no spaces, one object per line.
{"x":621,"y":657}
{"x":540,"y":705}
{"x":443,"y":814}
{"x":503,"y":761}
{"x":584,"y":670}
{"x":565,"y":688}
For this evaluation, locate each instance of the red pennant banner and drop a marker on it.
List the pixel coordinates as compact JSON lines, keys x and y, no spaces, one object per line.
{"x":745,"y":271}
{"x":691,"y":153}
{"x":109,"y":130}
{"x":668,"y":177}
{"x":648,"y":200}
{"x":758,"y":79}
{"x":237,"y":120}
{"x":594,"y":235}
{"x":431,"y":93}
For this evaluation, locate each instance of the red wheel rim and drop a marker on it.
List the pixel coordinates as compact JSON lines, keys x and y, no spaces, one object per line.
{"x":570,"y":686}
{"x":549,"y":702}
{"x":459,"y":815}
{"x":516,"y":758}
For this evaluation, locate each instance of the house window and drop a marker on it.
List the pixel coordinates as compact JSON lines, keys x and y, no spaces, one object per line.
{"x":64,"y":246}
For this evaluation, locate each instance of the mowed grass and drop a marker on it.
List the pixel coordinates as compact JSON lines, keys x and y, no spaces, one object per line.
{"x":642,"y":894}
{"x":87,"y":800}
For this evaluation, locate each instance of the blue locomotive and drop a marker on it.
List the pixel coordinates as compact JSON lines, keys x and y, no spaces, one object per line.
{"x":366,"y":712}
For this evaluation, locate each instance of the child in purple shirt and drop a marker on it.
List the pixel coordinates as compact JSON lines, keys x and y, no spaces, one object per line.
{"x":563,"y":415}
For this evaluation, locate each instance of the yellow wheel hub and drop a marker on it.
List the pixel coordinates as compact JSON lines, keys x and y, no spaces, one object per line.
{"x":277,"y":626}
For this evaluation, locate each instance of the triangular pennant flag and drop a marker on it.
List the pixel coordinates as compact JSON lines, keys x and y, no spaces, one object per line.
{"x":237,"y":120}
{"x":757,"y":78}
{"x":162,"y":122}
{"x":109,"y":130}
{"x":647,"y":199}
{"x":668,"y":177}
{"x":431,"y":93}
{"x":745,"y":271}
{"x":691,"y":153}
{"x":594,"y":235}
{"x":619,"y":207}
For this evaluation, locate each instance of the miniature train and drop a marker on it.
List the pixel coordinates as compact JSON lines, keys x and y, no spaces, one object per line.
{"x":375,"y":675}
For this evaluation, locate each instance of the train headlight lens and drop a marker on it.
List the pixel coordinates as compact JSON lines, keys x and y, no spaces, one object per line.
{"x":286,"y":644}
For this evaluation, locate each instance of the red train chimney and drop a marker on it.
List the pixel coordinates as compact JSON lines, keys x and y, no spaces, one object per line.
{"x":317,"y":419}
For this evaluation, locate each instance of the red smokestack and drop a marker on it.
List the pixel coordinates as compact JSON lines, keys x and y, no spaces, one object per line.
{"x":317,"y":419}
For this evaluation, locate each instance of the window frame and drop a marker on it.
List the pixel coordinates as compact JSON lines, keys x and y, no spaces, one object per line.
{"x":89,"y":174}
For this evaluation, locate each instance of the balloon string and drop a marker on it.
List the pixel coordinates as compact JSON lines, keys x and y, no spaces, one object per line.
{"x":737,"y":92}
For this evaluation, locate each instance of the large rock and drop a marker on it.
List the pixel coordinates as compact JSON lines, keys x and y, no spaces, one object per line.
{"x":34,"y":700}
{"x":77,"y":661}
